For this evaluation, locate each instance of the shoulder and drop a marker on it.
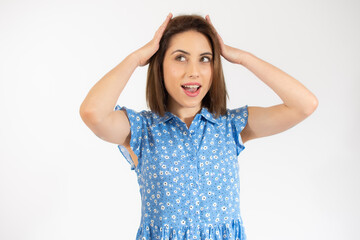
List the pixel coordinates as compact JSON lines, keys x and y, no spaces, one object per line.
{"x":238,"y":116}
{"x":149,"y":118}
{"x":140,"y":118}
{"x":237,"y":112}
{"x":138,"y":114}
{"x":234,"y":115}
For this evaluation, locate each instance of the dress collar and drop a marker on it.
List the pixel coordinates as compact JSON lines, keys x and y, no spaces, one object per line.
{"x":168,"y":115}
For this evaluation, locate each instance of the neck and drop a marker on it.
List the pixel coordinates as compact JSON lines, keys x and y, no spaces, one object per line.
{"x":186,"y":114}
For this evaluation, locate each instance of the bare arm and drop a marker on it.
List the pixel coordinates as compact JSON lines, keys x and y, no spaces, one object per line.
{"x":298,"y":101}
{"x":102,"y":97}
{"x":97,"y":110}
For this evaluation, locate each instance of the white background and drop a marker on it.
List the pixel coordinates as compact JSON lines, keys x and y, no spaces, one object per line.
{"x":59,"y":181}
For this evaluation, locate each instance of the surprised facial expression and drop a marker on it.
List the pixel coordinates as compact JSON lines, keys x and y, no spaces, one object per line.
{"x":187,"y":69}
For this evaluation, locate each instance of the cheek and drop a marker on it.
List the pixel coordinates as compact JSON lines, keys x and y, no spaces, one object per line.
{"x":207,"y":71}
{"x":171,"y":77}
{"x":173,"y":71}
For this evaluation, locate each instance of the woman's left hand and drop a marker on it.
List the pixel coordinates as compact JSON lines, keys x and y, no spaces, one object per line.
{"x":231,"y":54}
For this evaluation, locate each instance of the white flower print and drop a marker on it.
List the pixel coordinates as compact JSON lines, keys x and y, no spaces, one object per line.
{"x":187,"y":176}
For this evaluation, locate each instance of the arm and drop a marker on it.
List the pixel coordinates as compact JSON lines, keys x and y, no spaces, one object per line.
{"x":102,"y":97}
{"x":298,"y":101}
{"x":97,"y":110}
{"x":294,"y":95}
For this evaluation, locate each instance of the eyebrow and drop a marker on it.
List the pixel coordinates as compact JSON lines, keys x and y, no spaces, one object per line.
{"x":179,"y":50}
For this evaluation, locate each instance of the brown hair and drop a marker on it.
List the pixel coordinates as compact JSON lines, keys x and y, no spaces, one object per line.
{"x":156,"y":94}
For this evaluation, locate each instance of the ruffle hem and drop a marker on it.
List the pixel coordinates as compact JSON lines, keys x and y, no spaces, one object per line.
{"x":232,"y":230}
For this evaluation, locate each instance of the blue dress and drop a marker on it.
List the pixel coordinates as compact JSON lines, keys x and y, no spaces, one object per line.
{"x":188,"y":177}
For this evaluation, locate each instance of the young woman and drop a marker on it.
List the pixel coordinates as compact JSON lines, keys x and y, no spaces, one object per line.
{"x":185,"y":148}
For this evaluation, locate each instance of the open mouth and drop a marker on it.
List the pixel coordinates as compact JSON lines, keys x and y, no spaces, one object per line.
{"x":191,"y":88}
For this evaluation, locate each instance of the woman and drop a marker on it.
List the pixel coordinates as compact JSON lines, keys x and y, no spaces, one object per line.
{"x":184,"y":150}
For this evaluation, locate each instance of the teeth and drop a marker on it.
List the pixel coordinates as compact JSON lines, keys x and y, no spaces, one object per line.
{"x":191,"y":86}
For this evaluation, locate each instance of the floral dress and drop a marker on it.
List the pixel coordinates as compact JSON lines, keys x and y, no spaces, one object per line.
{"x":188,"y":177}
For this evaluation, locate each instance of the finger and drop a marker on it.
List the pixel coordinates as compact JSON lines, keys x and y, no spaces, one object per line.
{"x":207,"y":17}
{"x":162,"y":28}
{"x":169,"y":16}
{"x":209,"y":21}
{"x":167,"y":20}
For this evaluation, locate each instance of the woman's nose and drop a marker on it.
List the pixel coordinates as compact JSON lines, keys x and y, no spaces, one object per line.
{"x":193,"y":70}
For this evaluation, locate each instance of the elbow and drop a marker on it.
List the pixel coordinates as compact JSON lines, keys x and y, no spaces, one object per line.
{"x":88,"y":116}
{"x":84,"y":112}
{"x":312,"y":106}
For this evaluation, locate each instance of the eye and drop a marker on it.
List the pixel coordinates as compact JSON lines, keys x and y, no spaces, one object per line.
{"x":180,"y":56}
{"x":208,"y":59}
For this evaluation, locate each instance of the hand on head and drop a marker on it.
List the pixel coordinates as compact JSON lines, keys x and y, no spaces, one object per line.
{"x":207,"y":17}
{"x":229,"y":53}
{"x":146,"y":52}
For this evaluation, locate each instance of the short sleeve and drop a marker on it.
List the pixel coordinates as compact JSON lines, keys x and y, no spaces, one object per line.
{"x":136,"y":126}
{"x":238,"y":118}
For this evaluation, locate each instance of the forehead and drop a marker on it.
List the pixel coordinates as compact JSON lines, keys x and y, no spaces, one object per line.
{"x":190,"y":40}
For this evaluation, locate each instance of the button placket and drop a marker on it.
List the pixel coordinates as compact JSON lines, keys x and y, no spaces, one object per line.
{"x":192,"y":149}
{"x":193,"y":138}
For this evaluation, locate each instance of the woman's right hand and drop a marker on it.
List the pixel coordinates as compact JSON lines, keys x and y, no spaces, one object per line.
{"x":146,"y":52}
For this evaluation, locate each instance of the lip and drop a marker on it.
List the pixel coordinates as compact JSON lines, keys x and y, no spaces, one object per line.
{"x":190,"y":94}
{"x":192,"y":83}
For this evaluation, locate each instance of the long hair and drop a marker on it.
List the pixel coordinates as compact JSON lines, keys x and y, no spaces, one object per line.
{"x":156,"y":94}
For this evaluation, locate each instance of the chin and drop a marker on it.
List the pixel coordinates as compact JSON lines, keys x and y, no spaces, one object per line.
{"x":192,"y":104}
